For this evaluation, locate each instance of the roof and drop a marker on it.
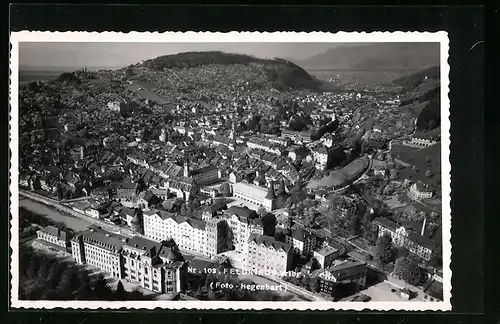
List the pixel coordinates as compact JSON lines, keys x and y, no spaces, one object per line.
{"x":299,"y":233}
{"x":196,"y":223}
{"x":421,"y":240}
{"x":104,"y":239}
{"x":126,"y":185}
{"x":54,"y":231}
{"x":250,"y":190}
{"x":269,"y":241}
{"x":206,"y":169}
{"x":384,"y":222}
{"x":347,"y":269}
{"x":327,"y":250}
{"x":141,"y":243}
{"x":412,"y":236}
{"x":241,"y":211}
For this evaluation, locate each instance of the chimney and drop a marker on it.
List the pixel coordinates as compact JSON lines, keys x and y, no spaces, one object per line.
{"x":423,"y":226}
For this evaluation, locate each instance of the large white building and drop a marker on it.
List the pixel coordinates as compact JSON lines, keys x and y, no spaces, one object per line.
{"x":255,"y":195}
{"x":266,"y":255}
{"x":188,"y":233}
{"x":100,"y":249}
{"x":242,"y":223}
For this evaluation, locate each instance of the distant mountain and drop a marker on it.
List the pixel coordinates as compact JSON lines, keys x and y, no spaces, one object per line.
{"x":278,"y":72}
{"x":379,"y":56}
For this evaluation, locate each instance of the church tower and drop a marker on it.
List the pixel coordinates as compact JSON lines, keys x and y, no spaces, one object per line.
{"x":186,"y":168}
{"x":231,"y":135}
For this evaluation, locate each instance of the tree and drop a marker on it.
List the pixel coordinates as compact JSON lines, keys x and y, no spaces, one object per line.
{"x":120,"y":292}
{"x":383,"y":250}
{"x":84,"y":292}
{"x":195,"y":203}
{"x":408,"y":269}
{"x":436,"y":260}
{"x":262,"y":211}
{"x":225,"y":189}
{"x":100,"y":288}
{"x":68,"y":283}
{"x":354,"y":224}
{"x":428,"y":173}
{"x":183,"y":210}
{"x":393,"y":174}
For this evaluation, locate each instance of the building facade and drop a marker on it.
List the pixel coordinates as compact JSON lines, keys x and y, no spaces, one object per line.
{"x":326,"y":255}
{"x":53,"y":235}
{"x":254,"y":194}
{"x":189,"y":233}
{"x":266,"y":255}
{"x":419,"y":191}
{"x":100,"y":249}
{"x":242,"y":222}
{"x":406,"y":237}
{"x":216,"y":229}
{"x":344,"y":273}
{"x":158,"y":267}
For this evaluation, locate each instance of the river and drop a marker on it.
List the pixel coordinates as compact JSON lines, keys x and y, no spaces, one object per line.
{"x":76,"y":224}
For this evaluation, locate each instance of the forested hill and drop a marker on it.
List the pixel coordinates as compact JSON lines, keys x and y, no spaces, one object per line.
{"x":421,"y":93}
{"x":280,"y":73}
{"x":412,"y":81}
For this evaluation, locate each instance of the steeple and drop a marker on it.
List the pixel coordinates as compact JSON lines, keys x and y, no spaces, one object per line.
{"x":186,"y":167}
{"x":281,"y":188}
{"x":270,"y":192}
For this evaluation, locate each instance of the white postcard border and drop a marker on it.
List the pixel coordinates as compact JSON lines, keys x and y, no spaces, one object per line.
{"x":282,"y":37}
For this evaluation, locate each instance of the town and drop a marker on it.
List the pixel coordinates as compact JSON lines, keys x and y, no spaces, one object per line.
{"x":165,"y":174}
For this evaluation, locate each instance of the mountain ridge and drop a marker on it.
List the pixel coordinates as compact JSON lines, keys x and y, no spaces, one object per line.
{"x":373,"y":57}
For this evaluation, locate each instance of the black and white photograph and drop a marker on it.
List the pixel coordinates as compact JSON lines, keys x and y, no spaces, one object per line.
{"x":230,"y":171}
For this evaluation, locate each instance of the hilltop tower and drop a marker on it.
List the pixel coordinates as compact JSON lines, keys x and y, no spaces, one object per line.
{"x":81,"y":152}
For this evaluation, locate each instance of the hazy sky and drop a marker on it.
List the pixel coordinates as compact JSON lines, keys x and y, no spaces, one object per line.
{"x":113,"y":55}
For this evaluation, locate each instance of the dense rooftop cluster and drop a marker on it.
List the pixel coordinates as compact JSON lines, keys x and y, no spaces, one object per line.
{"x":169,"y":139}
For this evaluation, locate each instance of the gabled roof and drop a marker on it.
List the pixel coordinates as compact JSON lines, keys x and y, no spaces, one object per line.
{"x":241,"y":212}
{"x":269,"y":241}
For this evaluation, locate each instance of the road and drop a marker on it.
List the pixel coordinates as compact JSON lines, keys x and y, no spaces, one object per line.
{"x":74,"y":223}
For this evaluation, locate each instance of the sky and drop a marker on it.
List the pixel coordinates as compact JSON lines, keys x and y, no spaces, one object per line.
{"x":117,"y":55}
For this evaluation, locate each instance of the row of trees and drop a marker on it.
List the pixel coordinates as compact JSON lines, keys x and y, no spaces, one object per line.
{"x":406,"y":267}
{"x":27,"y":218}
{"x":45,"y":277}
